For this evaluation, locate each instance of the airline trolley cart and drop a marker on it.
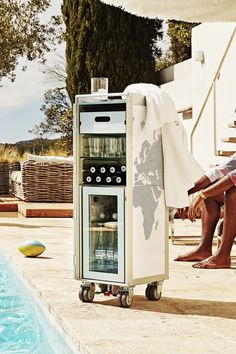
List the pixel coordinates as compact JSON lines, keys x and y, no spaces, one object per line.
{"x":120,"y":216}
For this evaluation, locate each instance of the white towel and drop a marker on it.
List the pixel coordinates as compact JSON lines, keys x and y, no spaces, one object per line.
{"x":181,"y":169}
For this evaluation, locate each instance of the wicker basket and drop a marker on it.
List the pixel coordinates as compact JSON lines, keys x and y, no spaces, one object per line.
{"x":4,"y":178}
{"x":14,"y":166}
{"x":45,"y":182}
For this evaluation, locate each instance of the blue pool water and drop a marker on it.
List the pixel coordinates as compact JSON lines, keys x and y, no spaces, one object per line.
{"x":24,"y":328}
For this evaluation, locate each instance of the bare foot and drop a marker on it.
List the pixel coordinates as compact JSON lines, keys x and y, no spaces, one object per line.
{"x":214,"y":262}
{"x":193,"y":256}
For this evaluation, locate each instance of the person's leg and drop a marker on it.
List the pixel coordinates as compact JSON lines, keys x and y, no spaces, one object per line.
{"x":209,"y":217}
{"x":221,"y":258}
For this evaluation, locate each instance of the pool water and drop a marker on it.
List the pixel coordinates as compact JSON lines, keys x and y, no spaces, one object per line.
{"x":24,"y":327}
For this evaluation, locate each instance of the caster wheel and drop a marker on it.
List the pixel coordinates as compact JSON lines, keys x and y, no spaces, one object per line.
{"x":124,"y":299}
{"x":103,"y":287}
{"x":86,"y":295}
{"x":81,"y":296}
{"x":114,"y":290}
{"x":152,"y":294}
{"x":119,"y":294}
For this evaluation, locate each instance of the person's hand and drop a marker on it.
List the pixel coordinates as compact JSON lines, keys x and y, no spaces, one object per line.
{"x":195,"y":208}
{"x":183,"y":213}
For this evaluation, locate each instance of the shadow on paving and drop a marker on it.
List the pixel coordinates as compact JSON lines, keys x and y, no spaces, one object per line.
{"x":178,"y":306}
{"x":38,"y":257}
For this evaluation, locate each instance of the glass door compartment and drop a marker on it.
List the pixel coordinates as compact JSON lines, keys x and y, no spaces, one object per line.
{"x":103,"y":233}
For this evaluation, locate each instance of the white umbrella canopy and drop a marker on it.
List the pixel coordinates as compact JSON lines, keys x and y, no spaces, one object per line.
{"x":184,"y":10}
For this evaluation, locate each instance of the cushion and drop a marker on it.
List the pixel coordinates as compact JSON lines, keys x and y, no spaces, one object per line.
{"x":32,"y":248}
{"x":16,"y":176}
{"x":50,"y":159}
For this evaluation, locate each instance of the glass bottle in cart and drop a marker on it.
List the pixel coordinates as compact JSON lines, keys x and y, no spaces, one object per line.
{"x":110,"y":252}
{"x":115,"y":244}
{"x":100,"y":250}
{"x":115,"y":252}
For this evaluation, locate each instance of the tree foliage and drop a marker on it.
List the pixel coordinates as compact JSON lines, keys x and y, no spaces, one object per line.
{"x":57,"y":118}
{"x":103,"y":40}
{"x":16,"y":151}
{"x":56,"y":73}
{"x":57,"y":109}
{"x":22,"y":35}
{"x":180,"y":39}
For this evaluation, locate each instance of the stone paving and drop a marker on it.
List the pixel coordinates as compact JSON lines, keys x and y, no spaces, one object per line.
{"x":196,"y":314}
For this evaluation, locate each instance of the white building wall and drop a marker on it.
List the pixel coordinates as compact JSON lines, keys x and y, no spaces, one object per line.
{"x":181,"y":88}
{"x":213,"y":40}
{"x":203,"y":139}
{"x":219,"y":110}
{"x":225,"y":99}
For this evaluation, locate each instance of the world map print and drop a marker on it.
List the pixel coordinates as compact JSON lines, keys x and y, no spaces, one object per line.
{"x":148,"y":183}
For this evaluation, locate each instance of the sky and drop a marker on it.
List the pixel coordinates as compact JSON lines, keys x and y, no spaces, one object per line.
{"x":21,"y":100}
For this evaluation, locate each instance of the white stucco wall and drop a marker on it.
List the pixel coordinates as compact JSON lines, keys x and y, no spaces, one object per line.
{"x":192,"y":86}
{"x":213,"y":39}
{"x":181,"y":88}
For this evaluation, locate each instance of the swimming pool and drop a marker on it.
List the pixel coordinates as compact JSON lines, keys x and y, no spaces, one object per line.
{"x":24,"y":327}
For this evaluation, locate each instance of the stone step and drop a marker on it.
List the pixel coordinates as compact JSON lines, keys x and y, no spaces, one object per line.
{"x":232,"y":125}
{"x":9,"y":204}
{"x":36,"y":210}
{"x":225,"y":153}
{"x":8,"y":207}
{"x":229,"y":140}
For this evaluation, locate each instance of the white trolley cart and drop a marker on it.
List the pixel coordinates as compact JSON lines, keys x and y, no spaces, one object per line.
{"x":120,"y":216}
